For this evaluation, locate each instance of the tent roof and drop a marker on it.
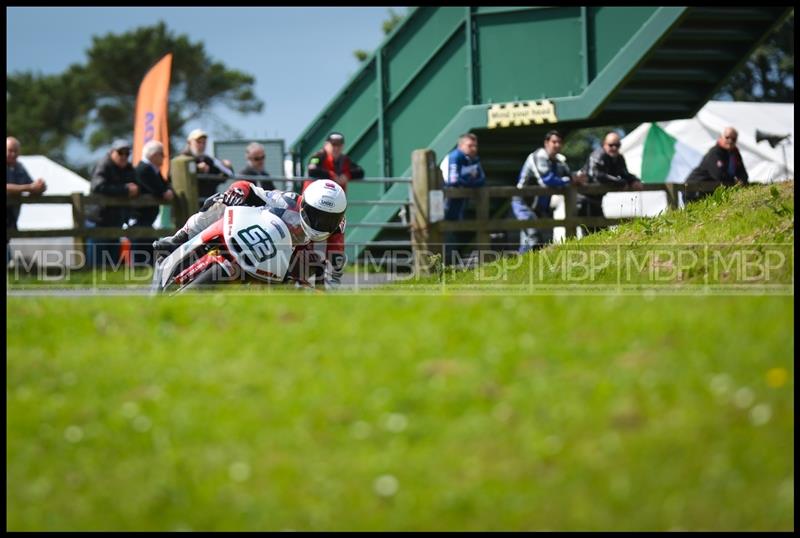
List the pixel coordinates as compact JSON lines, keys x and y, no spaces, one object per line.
{"x":59,"y":180}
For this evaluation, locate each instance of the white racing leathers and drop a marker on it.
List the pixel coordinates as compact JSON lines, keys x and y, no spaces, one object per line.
{"x":285,"y":205}
{"x":538,"y":170}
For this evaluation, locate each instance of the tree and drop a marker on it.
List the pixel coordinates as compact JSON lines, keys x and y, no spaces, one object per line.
{"x":42,"y":122}
{"x":95,"y":101}
{"x":768,"y":74}
{"x":388,"y":25}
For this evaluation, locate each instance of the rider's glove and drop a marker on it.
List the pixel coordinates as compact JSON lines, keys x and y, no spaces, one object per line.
{"x":234,"y":196}
{"x":334,"y":274}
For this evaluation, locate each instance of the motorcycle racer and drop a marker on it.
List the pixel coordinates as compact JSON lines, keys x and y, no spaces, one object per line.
{"x":313,"y":217}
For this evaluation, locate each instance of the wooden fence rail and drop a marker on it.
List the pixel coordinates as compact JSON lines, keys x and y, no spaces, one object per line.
{"x":428,"y":193}
{"x":79,"y":201}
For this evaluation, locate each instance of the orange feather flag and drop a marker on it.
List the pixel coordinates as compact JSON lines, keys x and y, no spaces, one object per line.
{"x":151,"y":111}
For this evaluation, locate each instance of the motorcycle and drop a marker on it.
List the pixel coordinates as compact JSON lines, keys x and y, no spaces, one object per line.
{"x":247,"y":243}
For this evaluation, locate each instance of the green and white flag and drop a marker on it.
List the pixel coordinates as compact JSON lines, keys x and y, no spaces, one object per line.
{"x":666,"y":159}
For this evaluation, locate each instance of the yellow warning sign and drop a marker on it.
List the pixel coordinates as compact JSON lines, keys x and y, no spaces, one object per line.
{"x":521,"y":113}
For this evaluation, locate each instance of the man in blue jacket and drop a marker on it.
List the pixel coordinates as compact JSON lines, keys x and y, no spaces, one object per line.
{"x":463,"y":170}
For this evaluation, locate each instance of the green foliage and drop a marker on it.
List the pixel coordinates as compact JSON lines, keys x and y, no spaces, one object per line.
{"x":43,"y":123}
{"x":388,"y":26}
{"x":96,"y":100}
{"x":781,"y":207}
{"x":391,"y":23}
{"x":768,"y":74}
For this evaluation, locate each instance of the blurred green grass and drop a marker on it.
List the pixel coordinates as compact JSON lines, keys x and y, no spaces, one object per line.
{"x":400,"y":413}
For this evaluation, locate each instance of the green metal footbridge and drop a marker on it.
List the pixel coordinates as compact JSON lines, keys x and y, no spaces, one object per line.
{"x":511,"y":73}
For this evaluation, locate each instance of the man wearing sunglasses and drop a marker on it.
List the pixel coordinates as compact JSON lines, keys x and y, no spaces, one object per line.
{"x":606,"y":165}
{"x":256,"y":159}
{"x":722,"y":163}
{"x":114,"y":175}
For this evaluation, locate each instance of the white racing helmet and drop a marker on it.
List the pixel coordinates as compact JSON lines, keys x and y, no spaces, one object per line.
{"x":322,"y":209}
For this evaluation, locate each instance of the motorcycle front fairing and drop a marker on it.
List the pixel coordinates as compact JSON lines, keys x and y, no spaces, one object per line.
{"x":259,"y":241}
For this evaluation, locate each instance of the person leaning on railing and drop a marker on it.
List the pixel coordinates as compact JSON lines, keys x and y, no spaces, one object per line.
{"x":113,"y":176}
{"x":606,"y":166}
{"x":17,"y":182}
{"x":150,"y":181}
{"x":206,"y":164}
{"x":256,"y":157}
{"x":722,"y":163}
{"x":545,"y":167}
{"x":463,"y":166}
{"x":331,"y":162}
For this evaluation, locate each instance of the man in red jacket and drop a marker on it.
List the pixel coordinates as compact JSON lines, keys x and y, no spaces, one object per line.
{"x":331,"y":163}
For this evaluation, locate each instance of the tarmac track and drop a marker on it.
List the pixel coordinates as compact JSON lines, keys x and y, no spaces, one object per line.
{"x":349,"y":285}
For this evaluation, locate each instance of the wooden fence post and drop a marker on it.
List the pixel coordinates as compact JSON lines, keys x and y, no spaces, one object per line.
{"x":79,"y":219}
{"x":571,"y":210}
{"x":426,"y":237}
{"x":672,"y":195}
{"x":183,"y":171}
{"x":482,"y":216}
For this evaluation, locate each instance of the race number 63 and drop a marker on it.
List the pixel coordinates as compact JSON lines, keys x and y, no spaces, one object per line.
{"x":259,"y":242}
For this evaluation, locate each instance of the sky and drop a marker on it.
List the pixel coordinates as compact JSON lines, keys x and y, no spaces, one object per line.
{"x":300,"y":57}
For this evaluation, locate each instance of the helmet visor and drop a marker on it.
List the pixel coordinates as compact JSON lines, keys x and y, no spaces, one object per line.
{"x":319,"y":220}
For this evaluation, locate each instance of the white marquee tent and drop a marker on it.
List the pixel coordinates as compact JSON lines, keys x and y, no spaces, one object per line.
{"x":59,"y":180}
{"x":764,"y":163}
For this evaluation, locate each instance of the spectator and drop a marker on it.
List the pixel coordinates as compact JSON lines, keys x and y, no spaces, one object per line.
{"x":606,"y":165}
{"x":113,"y":176}
{"x":150,"y":181}
{"x":17,"y":182}
{"x":256,"y":157}
{"x":331,"y":163}
{"x":545,"y":167}
{"x":722,"y":163}
{"x":463,"y":170}
{"x":206,"y":164}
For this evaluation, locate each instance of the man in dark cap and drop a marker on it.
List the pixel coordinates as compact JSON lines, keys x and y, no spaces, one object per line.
{"x":331,"y":163}
{"x":113,"y":176}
